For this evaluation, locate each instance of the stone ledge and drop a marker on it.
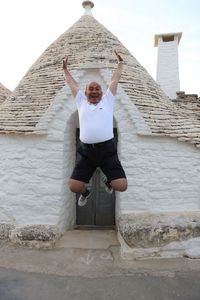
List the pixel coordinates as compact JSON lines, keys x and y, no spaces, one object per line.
{"x":37,"y":236}
{"x":146,"y":230}
{"x":5,"y":230}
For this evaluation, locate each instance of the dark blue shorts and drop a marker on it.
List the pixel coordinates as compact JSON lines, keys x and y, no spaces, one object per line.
{"x":91,"y":156}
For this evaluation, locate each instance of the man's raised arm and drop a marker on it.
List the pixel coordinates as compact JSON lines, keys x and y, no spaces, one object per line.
{"x":69,"y":79}
{"x":116,"y":75}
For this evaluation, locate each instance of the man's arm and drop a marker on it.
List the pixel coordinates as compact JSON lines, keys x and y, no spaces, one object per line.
{"x":116,"y":75}
{"x":69,"y":79}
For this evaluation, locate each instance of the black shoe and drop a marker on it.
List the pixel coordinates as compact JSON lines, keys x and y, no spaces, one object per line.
{"x":83,"y":198}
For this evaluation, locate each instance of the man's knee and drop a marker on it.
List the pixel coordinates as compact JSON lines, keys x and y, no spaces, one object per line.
{"x":119,"y":184}
{"x":76,"y":186}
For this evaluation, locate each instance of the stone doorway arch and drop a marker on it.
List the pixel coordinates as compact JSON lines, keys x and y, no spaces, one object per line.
{"x":68,"y":218}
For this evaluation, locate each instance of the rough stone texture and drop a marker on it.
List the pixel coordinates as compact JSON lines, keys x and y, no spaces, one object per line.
{"x":39,"y":236}
{"x":33,"y":181}
{"x":4,"y":93}
{"x":5,"y":230}
{"x":193,"y":253}
{"x":158,"y":229}
{"x":89,"y":44}
{"x":189,"y":102}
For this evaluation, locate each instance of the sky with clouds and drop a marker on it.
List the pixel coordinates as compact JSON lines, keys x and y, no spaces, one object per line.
{"x":28,"y":27}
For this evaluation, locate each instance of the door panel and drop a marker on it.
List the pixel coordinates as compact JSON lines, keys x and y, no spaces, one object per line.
{"x":105,"y":203}
{"x":100,"y":208}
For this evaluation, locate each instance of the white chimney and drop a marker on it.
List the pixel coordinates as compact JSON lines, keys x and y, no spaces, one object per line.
{"x":167,"y":62}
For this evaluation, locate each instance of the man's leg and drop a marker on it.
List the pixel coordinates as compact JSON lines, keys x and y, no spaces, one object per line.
{"x":112,"y":168}
{"x":119,"y":184}
{"x":82,"y":172}
{"x":80,"y":176}
{"x":77,"y":186}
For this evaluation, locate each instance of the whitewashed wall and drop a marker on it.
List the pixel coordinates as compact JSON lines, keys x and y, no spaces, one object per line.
{"x":163,"y":174}
{"x":34,"y":170}
{"x":30,"y":175}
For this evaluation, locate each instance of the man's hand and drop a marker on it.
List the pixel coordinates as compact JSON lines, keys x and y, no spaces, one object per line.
{"x":68,"y":77}
{"x":116,"y":75}
{"x":119,"y":58}
{"x":65,"y":60}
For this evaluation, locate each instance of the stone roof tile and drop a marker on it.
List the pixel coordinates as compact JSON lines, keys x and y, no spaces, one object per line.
{"x":4,"y":93}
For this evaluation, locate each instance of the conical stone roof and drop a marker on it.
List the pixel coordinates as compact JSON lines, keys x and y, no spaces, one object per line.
{"x":4,"y":93}
{"x":87,"y":43}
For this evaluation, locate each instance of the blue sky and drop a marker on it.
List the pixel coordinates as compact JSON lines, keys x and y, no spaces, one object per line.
{"x":28,"y":27}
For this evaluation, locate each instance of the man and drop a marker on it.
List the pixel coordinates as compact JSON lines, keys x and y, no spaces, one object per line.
{"x":96,"y":135}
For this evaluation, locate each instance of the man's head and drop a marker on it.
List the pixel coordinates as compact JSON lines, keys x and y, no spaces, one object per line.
{"x":93,"y":92}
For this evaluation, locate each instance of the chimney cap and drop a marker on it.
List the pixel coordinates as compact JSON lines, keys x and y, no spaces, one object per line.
{"x":166,"y":35}
{"x":88,"y":3}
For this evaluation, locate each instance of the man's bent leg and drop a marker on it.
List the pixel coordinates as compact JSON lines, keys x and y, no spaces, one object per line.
{"x":119,"y":184}
{"x":77,"y":186}
{"x":113,"y":169}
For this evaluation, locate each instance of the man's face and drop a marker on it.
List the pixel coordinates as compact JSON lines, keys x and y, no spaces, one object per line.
{"x":93,"y":92}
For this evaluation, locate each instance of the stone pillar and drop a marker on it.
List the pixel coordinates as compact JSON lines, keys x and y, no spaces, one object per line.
{"x":167,"y":62}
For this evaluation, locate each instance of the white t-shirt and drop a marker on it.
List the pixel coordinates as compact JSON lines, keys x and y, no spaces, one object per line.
{"x":96,"y":121}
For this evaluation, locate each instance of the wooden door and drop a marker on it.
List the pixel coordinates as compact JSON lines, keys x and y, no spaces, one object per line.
{"x":100,"y":208}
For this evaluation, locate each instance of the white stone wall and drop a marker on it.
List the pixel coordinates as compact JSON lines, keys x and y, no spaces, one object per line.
{"x":163,"y":175}
{"x":168,"y":67}
{"x":30,"y":174}
{"x":33,"y":173}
